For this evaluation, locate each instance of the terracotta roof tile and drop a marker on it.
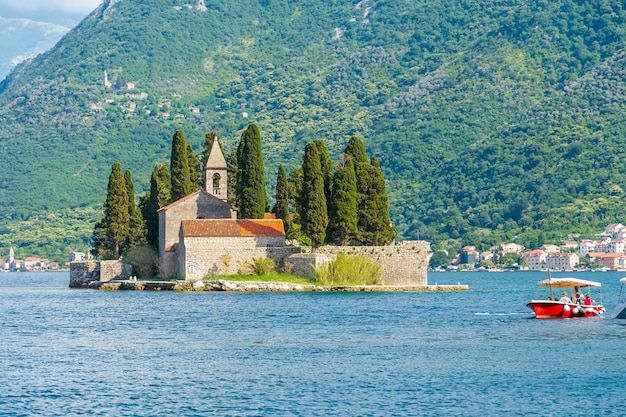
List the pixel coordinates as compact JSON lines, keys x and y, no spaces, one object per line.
{"x":228,"y":227}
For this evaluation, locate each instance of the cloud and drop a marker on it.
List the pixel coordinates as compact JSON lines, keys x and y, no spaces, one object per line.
{"x":63,"y":6}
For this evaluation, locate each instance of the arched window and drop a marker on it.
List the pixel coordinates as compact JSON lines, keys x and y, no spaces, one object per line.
{"x":216,"y":183}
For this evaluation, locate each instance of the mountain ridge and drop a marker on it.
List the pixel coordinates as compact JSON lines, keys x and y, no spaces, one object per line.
{"x":23,"y":39}
{"x":490,"y":120}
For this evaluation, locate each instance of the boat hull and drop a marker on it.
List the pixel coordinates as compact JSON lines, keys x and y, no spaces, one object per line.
{"x":545,"y":309}
{"x":620,"y":312}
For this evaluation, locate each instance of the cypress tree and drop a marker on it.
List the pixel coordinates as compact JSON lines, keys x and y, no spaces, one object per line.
{"x":327,"y":166}
{"x":158,"y":196}
{"x":179,"y":167}
{"x":342,"y":225}
{"x":195,"y":175}
{"x":314,"y":215}
{"x":116,"y":217}
{"x":231,"y":169}
{"x":295,"y":191}
{"x":282,"y":197}
{"x":373,"y":208}
{"x":356,"y":150}
{"x":101,"y":241}
{"x":137,"y":227}
{"x":251,"y":193}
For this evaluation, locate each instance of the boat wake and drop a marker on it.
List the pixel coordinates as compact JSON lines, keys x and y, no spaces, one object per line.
{"x":504,"y":314}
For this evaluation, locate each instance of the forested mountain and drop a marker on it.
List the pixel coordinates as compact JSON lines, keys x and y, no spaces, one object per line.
{"x":491,"y":120}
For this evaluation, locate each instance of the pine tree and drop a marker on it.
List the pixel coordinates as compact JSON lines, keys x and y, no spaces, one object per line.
{"x":137,"y":227}
{"x":314,"y":215}
{"x":116,"y":217}
{"x":373,"y":208}
{"x":356,"y":150}
{"x":158,"y":196}
{"x":282,"y":198}
{"x":195,"y":175}
{"x":343,"y":224}
{"x":251,"y":195}
{"x":179,"y":167}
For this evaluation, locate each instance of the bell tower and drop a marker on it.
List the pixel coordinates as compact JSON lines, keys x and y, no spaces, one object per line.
{"x":215,"y":173}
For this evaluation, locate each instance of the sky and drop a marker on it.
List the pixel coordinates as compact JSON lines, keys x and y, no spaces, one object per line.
{"x":62,"y":12}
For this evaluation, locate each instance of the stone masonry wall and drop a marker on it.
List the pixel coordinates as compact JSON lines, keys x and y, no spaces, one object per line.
{"x":205,"y":256}
{"x":401,"y":265}
{"x":85,"y":272}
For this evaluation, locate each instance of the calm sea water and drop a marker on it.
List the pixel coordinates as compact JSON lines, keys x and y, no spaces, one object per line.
{"x":70,"y":352}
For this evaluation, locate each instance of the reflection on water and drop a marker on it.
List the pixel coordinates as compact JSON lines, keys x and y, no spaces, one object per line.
{"x":479,"y":352}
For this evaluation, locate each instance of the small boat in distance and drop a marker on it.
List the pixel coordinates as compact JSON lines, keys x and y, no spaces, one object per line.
{"x":565,"y":307}
{"x":619,"y":312}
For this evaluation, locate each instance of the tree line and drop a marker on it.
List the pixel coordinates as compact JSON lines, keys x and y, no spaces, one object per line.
{"x":319,"y":202}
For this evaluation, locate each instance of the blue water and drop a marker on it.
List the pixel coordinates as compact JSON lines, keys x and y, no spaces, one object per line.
{"x":70,"y":352}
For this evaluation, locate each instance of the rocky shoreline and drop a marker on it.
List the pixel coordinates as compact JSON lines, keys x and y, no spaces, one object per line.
{"x":256,"y":286}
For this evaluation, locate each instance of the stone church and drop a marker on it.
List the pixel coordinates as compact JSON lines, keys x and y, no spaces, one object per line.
{"x":200,"y":234}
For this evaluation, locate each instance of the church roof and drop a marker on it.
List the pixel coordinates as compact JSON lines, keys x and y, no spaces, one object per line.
{"x":187,"y":197}
{"x":232,"y":227}
{"x":216,"y":157}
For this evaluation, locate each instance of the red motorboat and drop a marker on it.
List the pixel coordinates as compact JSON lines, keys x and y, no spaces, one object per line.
{"x":565,"y":306}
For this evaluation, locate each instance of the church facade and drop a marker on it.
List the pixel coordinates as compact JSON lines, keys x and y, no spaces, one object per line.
{"x":200,"y":235}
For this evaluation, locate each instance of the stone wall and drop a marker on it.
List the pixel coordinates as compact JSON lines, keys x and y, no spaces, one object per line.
{"x":85,"y":272}
{"x":303,"y":264}
{"x":401,"y":265}
{"x":205,"y":256}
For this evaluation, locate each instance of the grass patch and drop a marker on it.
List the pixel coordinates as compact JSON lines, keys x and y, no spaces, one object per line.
{"x":349,"y":271}
{"x":292,"y":279}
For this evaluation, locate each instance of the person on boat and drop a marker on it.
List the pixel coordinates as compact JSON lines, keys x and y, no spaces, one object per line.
{"x":564,"y":298}
{"x":588,"y":300}
{"x":577,"y":296}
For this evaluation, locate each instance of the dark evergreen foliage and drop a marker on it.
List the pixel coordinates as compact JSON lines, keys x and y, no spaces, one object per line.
{"x":314,"y":214}
{"x":296,"y":176}
{"x":343,"y":224}
{"x":355,"y":150}
{"x":158,"y":196}
{"x":232,"y":170}
{"x":252,"y":196}
{"x":327,"y":165}
{"x":373,"y":213}
{"x":282,"y":198}
{"x":195,"y":170}
{"x":137,"y":226}
{"x":116,"y":217}
{"x":179,"y":167}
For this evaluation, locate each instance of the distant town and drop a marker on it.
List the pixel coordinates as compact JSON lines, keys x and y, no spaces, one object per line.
{"x":608,"y":252}
{"x":33,"y":264}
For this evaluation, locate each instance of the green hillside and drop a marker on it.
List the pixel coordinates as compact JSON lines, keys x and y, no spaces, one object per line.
{"x":492,"y":120}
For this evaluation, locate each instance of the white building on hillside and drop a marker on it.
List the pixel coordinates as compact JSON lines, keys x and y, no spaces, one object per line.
{"x":562,"y":261}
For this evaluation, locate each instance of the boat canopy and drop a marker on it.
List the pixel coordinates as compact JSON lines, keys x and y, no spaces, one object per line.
{"x":623,"y":280}
{"x":570,"y":283}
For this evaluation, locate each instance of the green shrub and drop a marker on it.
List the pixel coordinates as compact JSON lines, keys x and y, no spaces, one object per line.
{"x":349,"y":270}
{"x":144,"y":259}
{"x":261,"y":266}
